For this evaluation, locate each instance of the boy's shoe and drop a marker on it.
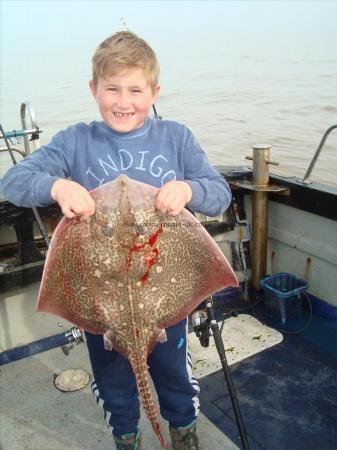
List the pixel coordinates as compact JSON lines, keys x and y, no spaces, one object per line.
{"x":185,"y":438}
{"x":131,"y":441}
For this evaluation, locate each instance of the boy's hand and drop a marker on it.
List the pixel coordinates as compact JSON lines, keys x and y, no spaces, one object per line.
{"x":172,"y":197}
{"x":74,"y":199}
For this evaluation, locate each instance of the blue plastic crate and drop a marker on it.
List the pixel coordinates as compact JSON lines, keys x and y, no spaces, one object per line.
{"x":283,"y":297}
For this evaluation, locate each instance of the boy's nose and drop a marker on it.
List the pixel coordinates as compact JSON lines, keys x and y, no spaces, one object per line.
{"x":123,"y":100}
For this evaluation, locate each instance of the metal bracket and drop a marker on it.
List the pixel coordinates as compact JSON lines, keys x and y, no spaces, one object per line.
{"x":272,"y":188}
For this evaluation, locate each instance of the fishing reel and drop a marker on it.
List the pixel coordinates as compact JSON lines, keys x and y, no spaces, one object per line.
{"x":204,"y":322}
{"x":201,"y":326}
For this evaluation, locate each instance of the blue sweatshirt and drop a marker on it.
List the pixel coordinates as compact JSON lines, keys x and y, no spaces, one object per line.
{"x":155,"y":153}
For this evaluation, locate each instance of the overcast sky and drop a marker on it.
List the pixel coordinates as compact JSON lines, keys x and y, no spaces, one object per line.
{"x":34,"y":26}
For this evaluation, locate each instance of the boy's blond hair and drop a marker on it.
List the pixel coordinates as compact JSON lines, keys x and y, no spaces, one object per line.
{"x":125,"y":50}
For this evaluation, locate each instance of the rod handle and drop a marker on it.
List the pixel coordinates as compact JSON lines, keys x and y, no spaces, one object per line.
{"x":33,"y":348}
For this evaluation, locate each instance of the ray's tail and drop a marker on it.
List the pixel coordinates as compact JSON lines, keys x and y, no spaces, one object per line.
{"x":140,"y":369}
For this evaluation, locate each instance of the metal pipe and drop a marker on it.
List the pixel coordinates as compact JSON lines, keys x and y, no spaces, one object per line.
{"x":20,"y":133}
{"x":5,"y":149}
{"x":260,"y":214}
{"x":259,"y":237}
{"x":260,"y":164}
{"x":306,"y":178}
{"x":26,"y":106}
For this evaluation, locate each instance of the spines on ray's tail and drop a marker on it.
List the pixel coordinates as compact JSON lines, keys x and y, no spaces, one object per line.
{"x":140,"y":369}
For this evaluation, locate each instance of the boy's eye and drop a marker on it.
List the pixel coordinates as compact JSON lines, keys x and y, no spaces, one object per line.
{"x":136,"y":91}
{"x":112,"y":89}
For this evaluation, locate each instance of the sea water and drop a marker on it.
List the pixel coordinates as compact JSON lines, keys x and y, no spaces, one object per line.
{"x":237,"y":73}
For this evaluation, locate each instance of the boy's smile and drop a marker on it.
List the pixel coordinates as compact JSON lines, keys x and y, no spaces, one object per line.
{"x":124,"y":100}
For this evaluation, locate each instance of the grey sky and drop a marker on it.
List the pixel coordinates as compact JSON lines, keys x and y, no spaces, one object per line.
{"x":33,"y":26}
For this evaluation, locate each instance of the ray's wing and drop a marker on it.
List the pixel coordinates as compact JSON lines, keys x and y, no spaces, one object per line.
{"x":72,"y":285}
{"x":189,"y":267}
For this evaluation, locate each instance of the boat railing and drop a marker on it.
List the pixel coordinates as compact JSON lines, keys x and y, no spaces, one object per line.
{"x":306,"y":179}
{"x":33,"y":131}
{"x":22,"y":152}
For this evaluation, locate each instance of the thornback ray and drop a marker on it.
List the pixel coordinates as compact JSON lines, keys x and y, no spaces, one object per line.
{"x":132,"y":272}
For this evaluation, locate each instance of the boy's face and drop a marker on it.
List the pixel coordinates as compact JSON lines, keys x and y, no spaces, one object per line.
{"x":124,"y":100}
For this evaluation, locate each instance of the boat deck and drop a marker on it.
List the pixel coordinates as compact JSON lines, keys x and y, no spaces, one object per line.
{"x":287,"y":392}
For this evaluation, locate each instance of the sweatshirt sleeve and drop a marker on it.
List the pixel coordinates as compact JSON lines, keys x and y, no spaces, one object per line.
{"x":211,"y":194}
{"x":29,"y":182}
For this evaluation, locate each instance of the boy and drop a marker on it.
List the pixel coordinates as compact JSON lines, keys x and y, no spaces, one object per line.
{"x":162,"y":153}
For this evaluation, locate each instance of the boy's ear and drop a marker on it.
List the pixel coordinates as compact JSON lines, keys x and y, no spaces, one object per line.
{"x":156,"y":93}
{"x":92,"y":88}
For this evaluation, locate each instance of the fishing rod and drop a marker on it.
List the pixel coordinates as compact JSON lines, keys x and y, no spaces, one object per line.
{"x":156,"y":116}
{"x":65,"y":340}
{"x":205,"y":325}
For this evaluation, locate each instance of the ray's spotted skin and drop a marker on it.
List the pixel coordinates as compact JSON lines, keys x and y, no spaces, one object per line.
{"x":132,"y":272}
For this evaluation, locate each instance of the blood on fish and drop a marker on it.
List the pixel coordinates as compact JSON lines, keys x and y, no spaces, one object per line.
{"x":150,"y":262}
{"x":154,"y":236}
{"x":152,"y":259}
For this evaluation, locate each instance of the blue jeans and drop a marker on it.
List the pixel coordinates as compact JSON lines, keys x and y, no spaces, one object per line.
{"x":170,"y":367}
